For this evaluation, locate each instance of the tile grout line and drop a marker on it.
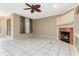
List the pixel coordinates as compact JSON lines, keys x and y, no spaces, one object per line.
{"x":17,"y":49}
{"x":8,"y":52}
{"x":52,"y":47}
{"x":70,"y":50}
{"x":40,"y":48}
{"x":59,"y":51}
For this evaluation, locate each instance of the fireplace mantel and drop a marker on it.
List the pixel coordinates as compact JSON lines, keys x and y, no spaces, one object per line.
{"x":70,"y":30}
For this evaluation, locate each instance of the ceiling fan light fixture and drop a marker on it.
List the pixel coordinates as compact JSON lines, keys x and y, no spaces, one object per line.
{"x":33,"y":8}
{"x":32,"y":11}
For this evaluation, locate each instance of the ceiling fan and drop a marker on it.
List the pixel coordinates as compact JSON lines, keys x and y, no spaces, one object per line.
{"x":33,"y":8}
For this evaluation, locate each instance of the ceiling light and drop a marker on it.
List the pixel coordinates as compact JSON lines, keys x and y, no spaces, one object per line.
{"x":55,"y":5}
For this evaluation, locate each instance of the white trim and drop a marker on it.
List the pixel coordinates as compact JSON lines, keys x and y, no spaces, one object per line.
{"x":77,"y":35}
{"x":9,"y":37}
{"x":47,"y":36}
{"x":23,"y":36}
{"x":63,"y":24}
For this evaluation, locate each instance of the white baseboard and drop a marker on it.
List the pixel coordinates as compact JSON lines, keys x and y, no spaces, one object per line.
{"x":47,"y":36}
{"x":8,"y":37}
{"x":29,"y":35}
{"x":23,"y":36}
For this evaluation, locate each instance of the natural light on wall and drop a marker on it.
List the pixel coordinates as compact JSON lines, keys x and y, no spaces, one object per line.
{"x":27,"y":25}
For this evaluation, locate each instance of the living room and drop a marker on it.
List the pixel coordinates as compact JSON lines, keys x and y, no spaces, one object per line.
{"x":48,"y":32}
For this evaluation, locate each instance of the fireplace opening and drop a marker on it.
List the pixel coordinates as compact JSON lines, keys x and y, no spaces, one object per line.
{"x":65,"y":36}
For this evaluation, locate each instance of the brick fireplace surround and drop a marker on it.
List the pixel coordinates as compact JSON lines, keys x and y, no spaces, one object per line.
{"x":70,"y":30}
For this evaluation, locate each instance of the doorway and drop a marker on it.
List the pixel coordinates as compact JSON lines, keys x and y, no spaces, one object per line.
{"x":9,"y":27}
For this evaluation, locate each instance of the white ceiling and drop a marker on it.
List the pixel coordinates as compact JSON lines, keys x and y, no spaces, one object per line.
{"x":48,"y":9}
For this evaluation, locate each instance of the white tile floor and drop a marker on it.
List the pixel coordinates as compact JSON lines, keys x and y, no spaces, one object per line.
{"x":35,"y":46}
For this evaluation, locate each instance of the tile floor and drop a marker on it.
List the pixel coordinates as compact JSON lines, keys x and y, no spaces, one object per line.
{"x":35,"y":46}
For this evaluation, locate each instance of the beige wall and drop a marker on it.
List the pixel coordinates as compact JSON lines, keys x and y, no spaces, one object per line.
{"x":77,"y":21}
{"x":15,"y":26}
{"x":66,"y":18}
{"x":15,"y":23}
{"x":77,"y":28}
{"x":77,"y":43}
{"x":2,"y":27}
{"x":45,"y":27}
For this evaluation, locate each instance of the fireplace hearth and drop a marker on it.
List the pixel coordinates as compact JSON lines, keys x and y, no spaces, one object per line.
{"x":66,"y":35}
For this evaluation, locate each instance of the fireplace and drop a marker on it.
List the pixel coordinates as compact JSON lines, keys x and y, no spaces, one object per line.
{"x":66,"y":35}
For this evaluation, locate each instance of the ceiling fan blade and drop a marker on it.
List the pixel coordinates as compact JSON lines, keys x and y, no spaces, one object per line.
{"x":37,"y":6}
{"x":28,"y":4}
{"x":38,"y":10}
{"x":27,"y":8}
{"x":32,"y":11}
